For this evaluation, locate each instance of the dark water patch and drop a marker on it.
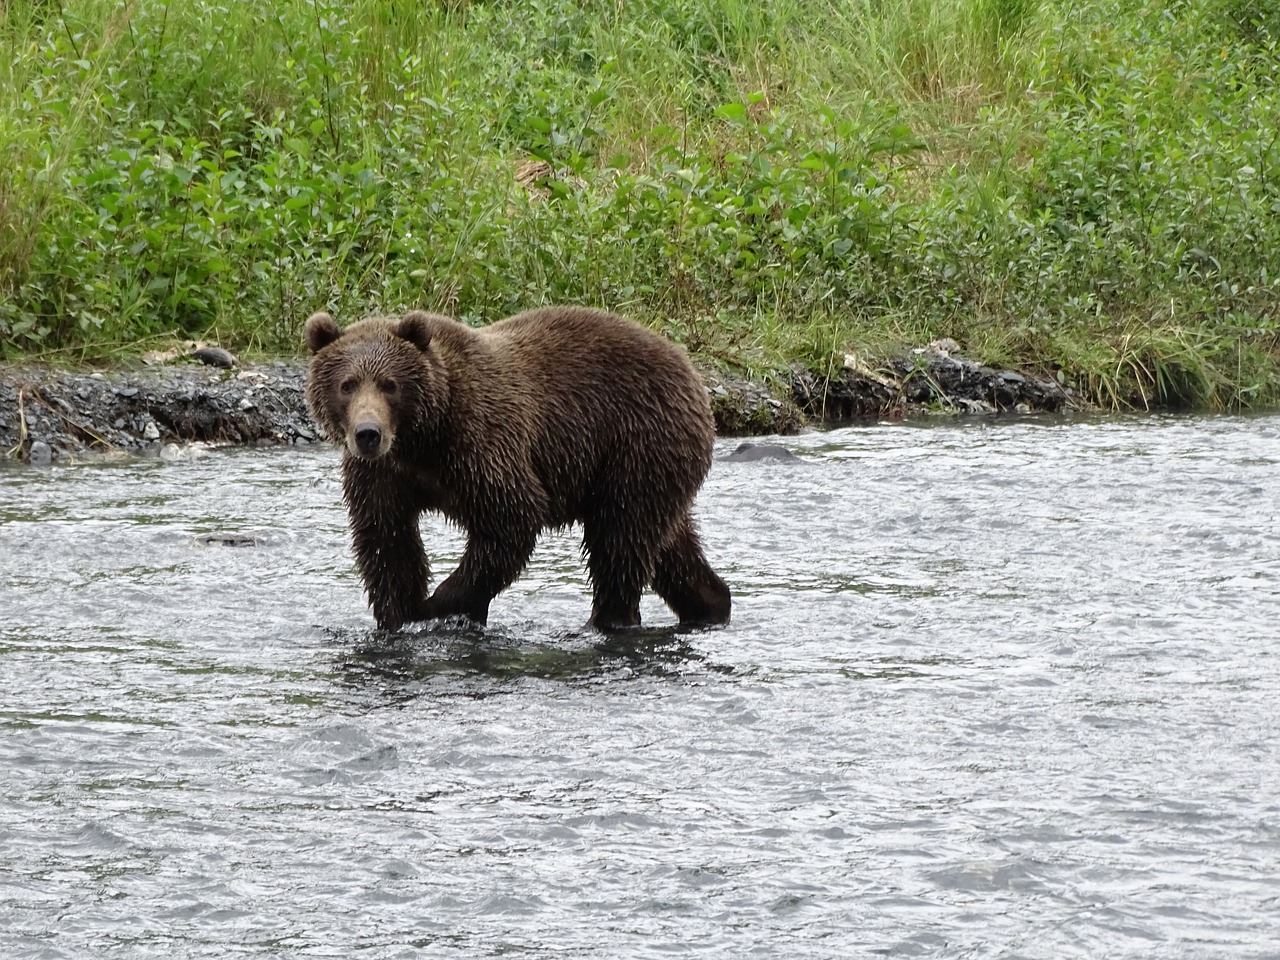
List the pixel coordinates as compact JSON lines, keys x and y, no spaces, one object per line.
{"x":460,"y":657}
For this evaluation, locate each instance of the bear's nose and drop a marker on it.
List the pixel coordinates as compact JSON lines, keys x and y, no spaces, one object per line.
{"x":368,"y":438}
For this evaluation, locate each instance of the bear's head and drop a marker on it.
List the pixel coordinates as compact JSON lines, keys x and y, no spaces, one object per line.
{"x":373,"y":381}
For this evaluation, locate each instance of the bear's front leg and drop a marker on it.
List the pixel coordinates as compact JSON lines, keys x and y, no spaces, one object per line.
{"x":385,"y":540}
{"x":488,"y":566}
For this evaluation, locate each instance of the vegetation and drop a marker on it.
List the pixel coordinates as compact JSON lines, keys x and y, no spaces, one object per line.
{"x":1088,"y":187}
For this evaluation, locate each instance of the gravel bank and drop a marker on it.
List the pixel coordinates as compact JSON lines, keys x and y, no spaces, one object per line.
{"x":51,"y":415}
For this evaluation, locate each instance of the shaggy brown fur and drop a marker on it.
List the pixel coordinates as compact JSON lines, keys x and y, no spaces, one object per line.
{"x":555,"y":416}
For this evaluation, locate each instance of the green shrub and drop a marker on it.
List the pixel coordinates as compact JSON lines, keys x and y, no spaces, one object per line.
{"x":1088,"y":187}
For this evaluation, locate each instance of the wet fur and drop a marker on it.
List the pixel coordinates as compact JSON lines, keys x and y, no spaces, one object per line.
{"x":555,"y":416}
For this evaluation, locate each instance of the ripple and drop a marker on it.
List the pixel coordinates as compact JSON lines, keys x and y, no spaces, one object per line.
{"x":991,"y":689}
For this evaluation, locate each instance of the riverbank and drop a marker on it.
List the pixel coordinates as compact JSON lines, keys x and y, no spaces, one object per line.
{"x":1085,"y":189}
{"x":49,"y":415}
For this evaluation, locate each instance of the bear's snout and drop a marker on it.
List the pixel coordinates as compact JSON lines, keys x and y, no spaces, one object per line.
{"x":370,"y":424}
{"x":368,"y":439}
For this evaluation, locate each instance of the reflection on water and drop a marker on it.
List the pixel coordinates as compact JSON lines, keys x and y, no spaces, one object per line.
{"x":991,"y":690}
{"x":409,"y":661}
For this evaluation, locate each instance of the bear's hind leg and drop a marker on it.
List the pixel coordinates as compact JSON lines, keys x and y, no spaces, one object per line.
{"x":684,"y":579}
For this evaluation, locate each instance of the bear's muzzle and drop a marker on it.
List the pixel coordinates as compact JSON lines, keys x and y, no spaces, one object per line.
{"x":370,"y":424}
{"x":368,"y":440}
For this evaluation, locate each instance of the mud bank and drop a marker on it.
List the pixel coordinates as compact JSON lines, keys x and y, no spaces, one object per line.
{"x":926,"y":380}
{"x":48,"y":414}
{"x":56,"y":414}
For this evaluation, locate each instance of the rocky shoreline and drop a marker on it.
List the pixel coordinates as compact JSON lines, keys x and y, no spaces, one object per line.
{"x":49,"y":415}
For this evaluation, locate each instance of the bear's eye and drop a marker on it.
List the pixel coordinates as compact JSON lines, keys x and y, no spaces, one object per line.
{"x":348,"y":385}
{"x":388,"y":386}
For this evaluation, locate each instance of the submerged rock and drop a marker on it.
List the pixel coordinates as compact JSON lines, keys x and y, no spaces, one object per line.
{"x":751,"y":452}
{"x":229,"y":540}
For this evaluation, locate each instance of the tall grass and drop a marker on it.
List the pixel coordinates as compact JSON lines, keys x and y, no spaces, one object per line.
{"x":1090,"y":187}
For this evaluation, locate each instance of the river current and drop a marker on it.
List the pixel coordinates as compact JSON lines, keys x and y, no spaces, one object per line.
{"x":991,"y":689}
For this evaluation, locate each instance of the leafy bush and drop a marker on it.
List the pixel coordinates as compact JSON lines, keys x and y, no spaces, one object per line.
{"x":1088,"y":187}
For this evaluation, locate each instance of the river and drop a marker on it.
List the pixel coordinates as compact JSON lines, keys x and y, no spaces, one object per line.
{"x":991,"y":689}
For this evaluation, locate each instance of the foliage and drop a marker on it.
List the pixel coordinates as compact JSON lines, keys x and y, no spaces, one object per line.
{"x":1092,"y":187}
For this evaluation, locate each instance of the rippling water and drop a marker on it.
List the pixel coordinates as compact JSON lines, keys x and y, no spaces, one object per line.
{"x":991,"y":690}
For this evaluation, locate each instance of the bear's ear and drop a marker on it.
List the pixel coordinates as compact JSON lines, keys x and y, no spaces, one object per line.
{"x":414,"y":326}
{"x":320,"y":331}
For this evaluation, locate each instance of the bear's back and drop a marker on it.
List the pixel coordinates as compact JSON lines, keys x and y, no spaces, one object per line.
{"x":605,"y":366}
{"x":597,"y":340}
{"x":602,"y":397}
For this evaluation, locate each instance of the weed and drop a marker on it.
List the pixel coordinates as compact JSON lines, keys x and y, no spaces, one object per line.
{"x":1090,"y":188}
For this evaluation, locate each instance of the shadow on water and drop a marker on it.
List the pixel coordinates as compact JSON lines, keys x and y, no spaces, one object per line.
{"x":459,"y":657}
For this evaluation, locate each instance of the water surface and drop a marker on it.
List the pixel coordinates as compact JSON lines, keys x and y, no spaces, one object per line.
{"x":991,"y":690}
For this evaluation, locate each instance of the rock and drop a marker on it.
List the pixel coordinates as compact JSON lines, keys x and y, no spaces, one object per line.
{"x":40,"y":454}
{"x":943,"y":347}
{"x":229,"y":540}
{"x":933,"y":375}
{"x":745,"y":408}
{"x":151,"y":431}
{"x":928,"y":377}
{"x":849,"y":394}
{"x":188,"y":451}
{"x":127,"y":392}
{"x":751,"y":452}
{"x":214,"y":357}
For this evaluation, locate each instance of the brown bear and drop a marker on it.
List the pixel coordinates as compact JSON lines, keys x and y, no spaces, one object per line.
{"x":554,"y":416}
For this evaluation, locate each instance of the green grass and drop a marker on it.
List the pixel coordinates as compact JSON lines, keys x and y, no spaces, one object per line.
{"x":1088,"y":188}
